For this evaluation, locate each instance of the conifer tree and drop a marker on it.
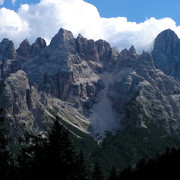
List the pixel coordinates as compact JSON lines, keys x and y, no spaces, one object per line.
{"x":97,"y":173}
{"x":5,"y":158}
{"x":60,"y":151}
{"x":126,"y":173}
{"x":50,"y":157}
{"x":113,"y":174}
{"x":81,"y":167}
{"x":25,"y":168}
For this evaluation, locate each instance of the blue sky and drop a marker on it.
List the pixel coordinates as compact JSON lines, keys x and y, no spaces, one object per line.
{"x":139,"y":10}
{"x":134,"y":10}
{"x":122,"y":23}
{"x":14,"y":4}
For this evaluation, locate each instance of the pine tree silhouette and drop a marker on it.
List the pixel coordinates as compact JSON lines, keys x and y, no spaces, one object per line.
{"x":81,"y":167}
{"x":6,"y":163}
{"x":166,"y":166}
{"x":127,"y":173}
{"x":113,"y":174}
{"x":51,"y":157}
{"x":60,"y":152}
{"x":97,"y":173}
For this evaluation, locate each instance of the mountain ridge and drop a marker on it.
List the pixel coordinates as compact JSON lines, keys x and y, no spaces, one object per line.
{"x":68,"y":74}
{"x":118,"y":106}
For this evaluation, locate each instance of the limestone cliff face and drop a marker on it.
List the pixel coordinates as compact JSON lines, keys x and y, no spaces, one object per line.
{"x":7,"y":58}
{"x":20,"y":102}
{"x":61,"y":71}
{"x":166,"y":53}
{"x":145,"y":95}
{"x":89,"y":84}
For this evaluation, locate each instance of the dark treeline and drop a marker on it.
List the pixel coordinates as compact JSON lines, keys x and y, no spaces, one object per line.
{"x":54,"y":157}
{"x":46,"y":157}
{"x":166,"y":166}
{"x":7,"y":168}
{"x":51,"y":157}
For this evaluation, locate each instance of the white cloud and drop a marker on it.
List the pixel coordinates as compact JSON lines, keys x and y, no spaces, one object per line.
{"x":1,"y":2}
{"x":47,"y":17}
{"x":12,"y":26}
{"x":123,"y":34}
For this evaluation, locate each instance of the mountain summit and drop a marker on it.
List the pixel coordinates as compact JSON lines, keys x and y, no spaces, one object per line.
{"x":166,"y":53}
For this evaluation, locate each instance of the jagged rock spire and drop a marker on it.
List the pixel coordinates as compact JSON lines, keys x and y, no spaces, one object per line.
{"x":24,"y":48}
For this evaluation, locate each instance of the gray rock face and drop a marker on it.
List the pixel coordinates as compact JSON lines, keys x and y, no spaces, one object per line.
{"x":60,"y":71}
{"x":38,"y":46}
{"x":83,"y":80}
{"x":24,"y":48}
{"x":166,"y":53}
{"x":64,"y":41}
{"x":145,"y":95}
{"x":86,"y":48}
{"x":7,"y":58}
{"x":7,"y":50}
{"x":21,"y":103}
{"x":27,"y":50}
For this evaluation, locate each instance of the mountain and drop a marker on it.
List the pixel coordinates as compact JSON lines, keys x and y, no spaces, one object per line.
{"x":166,"y":53}
{"x":122,"y":100}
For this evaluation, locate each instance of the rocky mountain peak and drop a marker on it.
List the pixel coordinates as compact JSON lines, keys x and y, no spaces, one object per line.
{"x":104,"y":50}
{"x":64,"y":34}
{"x":7,"y":49}
{"x":168,"y":34}
{"x":36,"y":47}
{"x":124,"y":52}
{"x":146,"y":60}
{"x":94,"y":90}
{"x":86,"y":48}
{"x":7,"y":56}
{"x":80,"y":36}
{"x":41,"y":42}
{"x":132,"y":51}
{"x":165,"y":41}
{"x":24,"y":48}
{"x":166,"y":53}
{"x":5,"y":42}
{"x":64,"y":41}
{"x":75,"y":77}
{"x":129,"y":53}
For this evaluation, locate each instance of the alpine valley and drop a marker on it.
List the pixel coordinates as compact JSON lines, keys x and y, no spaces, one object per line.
{"x":118,"y":106}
